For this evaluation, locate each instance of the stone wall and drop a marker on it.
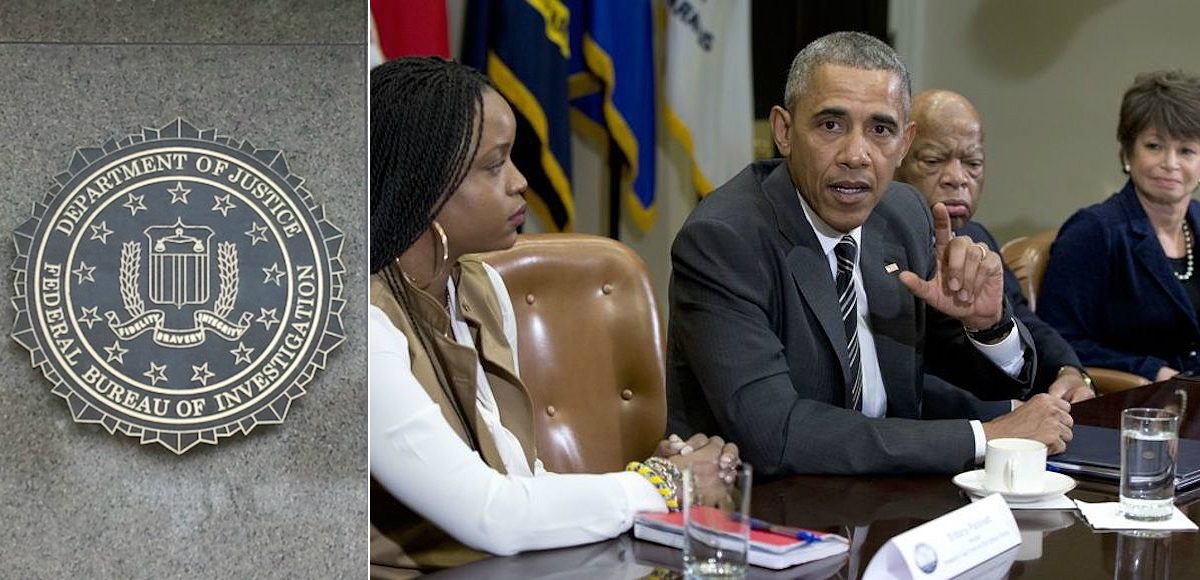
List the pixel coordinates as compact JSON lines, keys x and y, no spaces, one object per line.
{"x":289,"y":500}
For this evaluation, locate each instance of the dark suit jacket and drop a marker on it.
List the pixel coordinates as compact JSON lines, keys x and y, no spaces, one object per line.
{"x":757,"y":351}
{"x":1053,"y":351}
{"x":1111,"y":293}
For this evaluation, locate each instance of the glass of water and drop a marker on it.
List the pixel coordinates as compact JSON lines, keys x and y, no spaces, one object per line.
{"x":1149,"y":439}
{"x":716,"y":518}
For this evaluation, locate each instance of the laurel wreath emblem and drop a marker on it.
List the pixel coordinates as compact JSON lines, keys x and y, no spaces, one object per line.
{"x":131,"y":257}
{"x":227,"y":270}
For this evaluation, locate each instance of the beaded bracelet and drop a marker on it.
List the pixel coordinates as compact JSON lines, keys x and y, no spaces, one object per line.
{"x":667,"y":470}
{"x":665,"y":487}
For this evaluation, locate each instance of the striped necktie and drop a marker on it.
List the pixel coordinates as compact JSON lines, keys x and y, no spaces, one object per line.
{"x":846,"y":250}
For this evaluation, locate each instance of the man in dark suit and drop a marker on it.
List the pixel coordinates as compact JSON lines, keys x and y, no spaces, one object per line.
{"x":811,"y":354}
{"x":946,"y":164}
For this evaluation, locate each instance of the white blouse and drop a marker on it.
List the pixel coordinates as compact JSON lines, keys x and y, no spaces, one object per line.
{"x":423,"y":463}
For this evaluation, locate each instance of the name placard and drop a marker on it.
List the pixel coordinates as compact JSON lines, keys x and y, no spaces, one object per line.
{"x":949,"y":545}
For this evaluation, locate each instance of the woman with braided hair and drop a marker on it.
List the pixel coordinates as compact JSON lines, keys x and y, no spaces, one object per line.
{"x":453,"y":470}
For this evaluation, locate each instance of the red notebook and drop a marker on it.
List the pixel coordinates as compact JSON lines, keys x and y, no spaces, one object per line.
{"x":767,"y":550}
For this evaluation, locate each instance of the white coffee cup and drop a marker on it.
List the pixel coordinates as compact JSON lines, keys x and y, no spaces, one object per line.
{"x":1015,"y":465}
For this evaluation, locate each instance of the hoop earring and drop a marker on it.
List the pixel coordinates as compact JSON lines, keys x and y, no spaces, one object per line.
{"x":441,"y":232}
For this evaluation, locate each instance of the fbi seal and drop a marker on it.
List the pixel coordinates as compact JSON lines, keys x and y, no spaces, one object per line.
{"x":178,"y":286}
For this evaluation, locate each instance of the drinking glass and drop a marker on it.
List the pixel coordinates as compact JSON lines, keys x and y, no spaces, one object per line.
{"x":716,"y":518}
{"x":1149,"y":440}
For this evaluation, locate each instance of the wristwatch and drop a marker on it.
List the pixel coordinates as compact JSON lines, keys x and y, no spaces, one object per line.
{"x":1087,"y":379}
{"x":996,"y":332}
{"x":993,"y":334}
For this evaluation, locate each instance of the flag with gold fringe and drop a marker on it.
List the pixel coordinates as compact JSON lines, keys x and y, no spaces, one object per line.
{"x":524,"y":46}
{"x":707,"y":87}
{"x":616,"y":42}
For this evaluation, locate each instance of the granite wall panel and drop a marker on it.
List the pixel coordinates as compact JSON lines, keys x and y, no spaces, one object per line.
{"x":288,"y":500}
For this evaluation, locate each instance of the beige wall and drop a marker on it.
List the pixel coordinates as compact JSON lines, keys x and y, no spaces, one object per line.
{"x":1047,"y":78}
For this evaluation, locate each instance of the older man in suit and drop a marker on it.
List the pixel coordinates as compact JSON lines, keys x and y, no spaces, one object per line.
{"x":809,"y":295}
{"x":946,"y":164}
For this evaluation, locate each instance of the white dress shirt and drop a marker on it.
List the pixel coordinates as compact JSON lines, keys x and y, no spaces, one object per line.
{"x":1007,"y":354}
{"x":422,"y":462}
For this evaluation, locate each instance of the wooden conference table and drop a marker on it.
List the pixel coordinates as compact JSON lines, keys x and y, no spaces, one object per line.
{"x":873,"y":509}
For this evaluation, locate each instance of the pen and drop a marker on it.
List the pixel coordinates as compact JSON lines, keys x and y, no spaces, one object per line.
{"x":798,"y":533}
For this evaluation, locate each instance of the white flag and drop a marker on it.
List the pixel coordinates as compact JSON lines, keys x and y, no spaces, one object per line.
{"x":708,"y":91}
{"x":374,"y":52}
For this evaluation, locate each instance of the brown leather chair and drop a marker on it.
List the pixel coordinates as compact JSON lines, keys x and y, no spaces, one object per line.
{"x":590,"y":346}
{"x":1027,"y":257}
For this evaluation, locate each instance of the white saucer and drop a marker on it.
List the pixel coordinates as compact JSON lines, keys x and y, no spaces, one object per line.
{"x":1054,"y":484}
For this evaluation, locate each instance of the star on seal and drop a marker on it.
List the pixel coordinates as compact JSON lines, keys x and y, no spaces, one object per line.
{"x":223,"y":205}
{"x":156,"y":373}
{"x":241,"y":354}
{"x":179,"y":193}
{"x":115,"y":352}
{"x":101,"y":232}
{"x":273,"y":274}
{"x":202,"y":374}
{"x":84,"y":272}
{"x":135,"y":204}
{"x":257,"y":234}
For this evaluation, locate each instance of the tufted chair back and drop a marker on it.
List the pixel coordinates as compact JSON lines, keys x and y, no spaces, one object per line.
{"x":590,"y":346}
{"x":1027,"y":257}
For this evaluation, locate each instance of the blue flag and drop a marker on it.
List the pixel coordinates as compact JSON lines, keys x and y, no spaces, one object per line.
{"x":524,"y":48}
{"x":617,"y":46}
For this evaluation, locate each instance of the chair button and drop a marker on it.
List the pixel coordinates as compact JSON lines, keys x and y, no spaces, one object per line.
{"x":466,"y":307}
{"x":627,"y":394}
{"x":550,"y":410}
{"x":529,"y":298}
{"x":607,"y":288}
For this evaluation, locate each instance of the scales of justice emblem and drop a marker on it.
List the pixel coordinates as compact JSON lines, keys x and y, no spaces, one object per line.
{"x":178,"y":286}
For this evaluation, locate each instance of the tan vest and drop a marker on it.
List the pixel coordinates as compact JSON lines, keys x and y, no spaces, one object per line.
{"x":403,"y":544}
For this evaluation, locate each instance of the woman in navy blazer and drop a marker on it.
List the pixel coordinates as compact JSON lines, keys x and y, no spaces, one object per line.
{"x":1123,"y":282}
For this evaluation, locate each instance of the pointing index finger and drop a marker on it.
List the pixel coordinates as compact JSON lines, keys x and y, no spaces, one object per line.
{"x":942,"y":231}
